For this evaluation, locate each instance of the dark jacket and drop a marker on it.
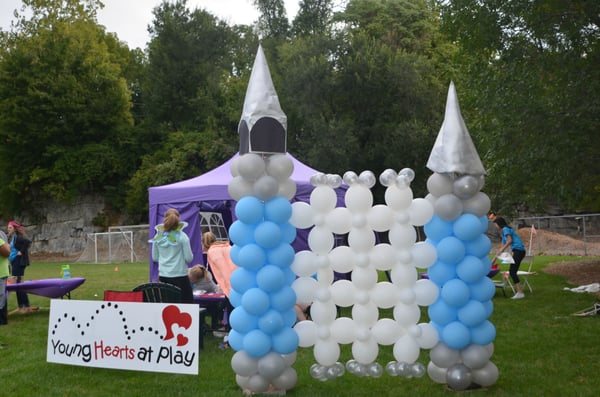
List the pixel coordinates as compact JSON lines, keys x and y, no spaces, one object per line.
{"x":22,"y":244}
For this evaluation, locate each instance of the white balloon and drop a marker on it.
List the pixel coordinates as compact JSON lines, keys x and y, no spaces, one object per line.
{"x":429,"y":336}
{"x":421,"y":212}
{"x":407,"y":315}
{"x":407,"y":296}
{"x":365,"y":352}
{"x":364,"y":278}
{"x":323,"y":199}
{"x":339,"y":220}
{"x":382,"y":256}
{"x":380,"y":217}
{"x":343,"y":330}
{"x":406,"y":349}
{"x":251,"y":166}
{"x":302,"y":215}
{"x":287,"y":189}
{"x":404,"y":276}
{"x":320,"y":240}
{"x":326,"y":352}
{"x":358,"y":198}
{"x":323,"y":313}
{"x":343,"y":293}
{"x":361,"y":240}
{"x":423,"y":254}
{"x":398,"y":199}
{"x":439,"y":184}
{"x":305,"y":263}
{"x":385,"y":295}
{"x":305,"y":288}
{"x":402,"y":236}
{"x":426,"y":292}
{"x":280,"y":167}
{"x":386,"y":331}
{"x":325,"y":277}
{"x":365,"y":314}
{"x":342,"y":259}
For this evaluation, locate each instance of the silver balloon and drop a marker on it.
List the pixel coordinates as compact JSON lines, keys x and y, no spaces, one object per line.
{"x":243,"y":364}
{"x":287,"y":379}
{"x":239,"y":187}
{"x":436,"y":374}
{"x":443,"y":356}
{"x":334,"y":181}
{"x":258,"y":384}
{"x":375,"y":370}
{"x":391,"y":369}
{"x":367,"y":178}
{"x":287,"y":189}
{"x":459,"y":377}
{"x":271,"y":365}
{"x":317,"y":371}
{"x":465,"y":186}
{"x":250,"y":166}
{"x":233,"y":167}
{"x":418,"y":370}
{"x":266,"y":187}
{"x":478,"y":205}
{"x":350,"y":178}
{"x":439,"y":184}
{"x":402,"y":181}
{"x":448,"y":207}
{"x":339,"y":368}
{"x":318,"y":179}
{"x":408,"y":172}
{"x":280,"y":167}
{"x":387,"y":177}
{"x":486,"y":376}
{"x":475,"y":356}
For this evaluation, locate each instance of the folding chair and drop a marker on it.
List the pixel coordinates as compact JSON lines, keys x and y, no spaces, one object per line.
{"x":524,"y":274}
{"x":160,"y":292}
{"x":501,"y":284}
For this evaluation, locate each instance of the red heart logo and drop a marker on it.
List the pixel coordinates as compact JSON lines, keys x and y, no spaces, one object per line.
{"x":171,"y":315}
{"x":181,"y":340}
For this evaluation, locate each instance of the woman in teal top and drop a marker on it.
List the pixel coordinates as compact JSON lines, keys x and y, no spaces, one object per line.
{"x":510,"y":238}
{"x":172,"y":250}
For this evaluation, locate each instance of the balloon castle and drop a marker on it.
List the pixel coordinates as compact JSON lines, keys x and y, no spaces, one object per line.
{"x":272,"y":277}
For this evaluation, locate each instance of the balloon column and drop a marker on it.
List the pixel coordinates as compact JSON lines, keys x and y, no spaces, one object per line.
{"x":263,"y":300}
{"x":460,"y":314}
{"x":364,"y":258}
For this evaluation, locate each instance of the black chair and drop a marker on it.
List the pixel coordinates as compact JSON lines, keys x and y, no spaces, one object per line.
{"x":160,"y":292}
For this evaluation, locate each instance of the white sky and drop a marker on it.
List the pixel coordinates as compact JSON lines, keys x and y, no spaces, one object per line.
{"x":129,"y":18}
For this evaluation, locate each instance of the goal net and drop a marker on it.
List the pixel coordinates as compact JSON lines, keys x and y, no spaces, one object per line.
{"x":119,"y":244}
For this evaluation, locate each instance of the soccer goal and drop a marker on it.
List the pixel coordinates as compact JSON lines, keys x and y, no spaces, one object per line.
{"x":120,"y":244}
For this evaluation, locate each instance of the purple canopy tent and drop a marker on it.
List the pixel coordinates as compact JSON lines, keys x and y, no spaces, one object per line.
{"x":208,"y":193}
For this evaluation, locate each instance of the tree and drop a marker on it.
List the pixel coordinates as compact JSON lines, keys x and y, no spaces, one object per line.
{"x":64,"y":105}
{"x":273,"y":21}
{"x":314,"y":17}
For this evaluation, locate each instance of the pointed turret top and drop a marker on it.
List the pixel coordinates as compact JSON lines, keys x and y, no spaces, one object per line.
{"x":454,"y":151}
{"x":263,"y":124}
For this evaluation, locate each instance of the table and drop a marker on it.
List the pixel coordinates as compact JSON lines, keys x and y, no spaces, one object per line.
{"x":213,"y":303}
{"x":48,"y":287}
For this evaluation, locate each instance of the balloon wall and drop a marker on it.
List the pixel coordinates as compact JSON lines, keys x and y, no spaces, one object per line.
{"x":460,"y":315}
{"x":263,"y":300}
{"x":364,"y":293}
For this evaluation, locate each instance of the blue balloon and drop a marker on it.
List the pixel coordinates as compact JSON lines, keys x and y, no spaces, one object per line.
{"x":456,"y":335}
{"x":234,"y":253}
{"x":257,"y":343}
{"x":483,"y":290}
{"x":467,"y":227}
{"x":282,"y":256}
{"x":437,"y":228}
{"x":450,"y":250}
{"x":271,"y":322}
{"x":288,"y":232}
{"x":255,"y":301}
{"x":485,"y":222}
{"x":286,"y":341}
{"x":235,"y":340}
{"x":289,"y":317}
{"x":489,"y":308}
{"x":270,"y":278}
{"x":471,"y":269}
{"x":441,"y":313}
{"x":241,"y":233}
{"x":243,"y":279}
{"x":267,"y":234}
{"x":284,"y":299}
{"x":455,"y":292}
{"x":479,"y":246}
{"x":288,"y":276}
{"x":472,"y":314}
{"x":249,"y":210}
{"x":484,"y":333}
{"x":278,"y":210}
{"x":242,"y":321}
{"x":441,"y":272}
{"x":251,"y":257}
{"x":235,"y":298}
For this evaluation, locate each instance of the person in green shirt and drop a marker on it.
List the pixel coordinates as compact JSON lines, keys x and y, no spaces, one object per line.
{"x":4,"y":273}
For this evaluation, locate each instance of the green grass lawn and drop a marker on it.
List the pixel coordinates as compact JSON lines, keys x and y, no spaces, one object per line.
{"x":540,"y":349}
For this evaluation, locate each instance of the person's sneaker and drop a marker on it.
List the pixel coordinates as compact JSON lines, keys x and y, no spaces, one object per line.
{"x":518,"y":295}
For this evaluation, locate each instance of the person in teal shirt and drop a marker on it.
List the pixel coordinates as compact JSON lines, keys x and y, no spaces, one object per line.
{"x":510,"y":238}
{"x":172,"y":250}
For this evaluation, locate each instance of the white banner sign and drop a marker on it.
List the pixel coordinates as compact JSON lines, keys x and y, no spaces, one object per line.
{"x":156,"y":337}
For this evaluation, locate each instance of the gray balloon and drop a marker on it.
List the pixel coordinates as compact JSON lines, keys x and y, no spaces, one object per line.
{"x":439,"y":184}
{"x":459,"y":377}
{"x":486,"y":376}
{"x":443,"y":356}
{"x":280,"y":167}
{"x":258,"y":384}
{"x":436,"y":374}
{"x":465,"y":186}
{"x":239,"y":187}
{"x":287,"y":189}
{"x":271,"y":365}
{"x":448,"y":207}
{"x":243,"y":364}
{"x":475,"y":356}
{"x":478,"y":205}
{"x":266,"y":187}
{"x":287,"y":379}
{"x":251,"y":166}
